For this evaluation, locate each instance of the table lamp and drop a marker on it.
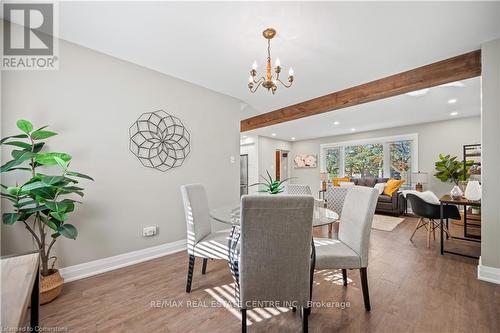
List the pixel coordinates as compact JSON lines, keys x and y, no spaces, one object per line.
{"x":323,"y":176}
{"x":420,"y":178}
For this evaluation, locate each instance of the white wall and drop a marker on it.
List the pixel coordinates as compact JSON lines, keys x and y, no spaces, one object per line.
{"x":267,"y":154}
{"x":250,"y":147}
{"x":433,"y":138}
{"x":490,"y":248}
{"x":91,"y":101}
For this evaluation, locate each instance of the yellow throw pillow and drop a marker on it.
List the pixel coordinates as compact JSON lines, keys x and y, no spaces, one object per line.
{"x":337,"y":181}
{"x":393,"y":185}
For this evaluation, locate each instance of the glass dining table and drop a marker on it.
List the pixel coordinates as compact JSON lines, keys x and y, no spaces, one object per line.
{"x":231,"y":215}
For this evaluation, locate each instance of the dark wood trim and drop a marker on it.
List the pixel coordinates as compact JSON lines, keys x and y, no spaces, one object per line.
{"x":277,"y":157}
{"x":461,"y":67}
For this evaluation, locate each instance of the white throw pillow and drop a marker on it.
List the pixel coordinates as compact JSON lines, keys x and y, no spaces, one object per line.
{"x":427,"y":196}
{"x":380,"y":187}
{"x":346,"y":184}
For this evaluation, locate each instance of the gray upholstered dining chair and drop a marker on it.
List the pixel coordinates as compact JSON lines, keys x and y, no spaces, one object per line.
{"x":335,"y":197}
{"x":271,"y":253}
{"x":201,"y":241}
{"x":297,"y":189}
{"x":350,"y":250}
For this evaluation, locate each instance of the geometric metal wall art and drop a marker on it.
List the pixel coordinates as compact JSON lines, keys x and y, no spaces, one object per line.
{"x":159,"y":140}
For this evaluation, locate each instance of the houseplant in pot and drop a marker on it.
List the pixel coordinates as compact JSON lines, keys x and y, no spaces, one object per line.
{"x":453,"y":171}
{"x":44,"y":199}
{"x":270,"y":185}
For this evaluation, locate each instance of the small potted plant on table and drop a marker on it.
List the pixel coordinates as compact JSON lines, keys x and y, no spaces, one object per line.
{"x":44,"y":201}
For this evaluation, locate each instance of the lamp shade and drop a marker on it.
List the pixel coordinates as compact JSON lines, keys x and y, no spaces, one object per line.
{"x":323,"y":176}
{"x":420,"y":177}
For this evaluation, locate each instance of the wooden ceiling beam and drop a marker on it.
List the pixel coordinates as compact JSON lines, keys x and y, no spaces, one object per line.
{"x":461,"y":67}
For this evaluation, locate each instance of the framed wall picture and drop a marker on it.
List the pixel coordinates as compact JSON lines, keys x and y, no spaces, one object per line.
{"x":305,"y":161}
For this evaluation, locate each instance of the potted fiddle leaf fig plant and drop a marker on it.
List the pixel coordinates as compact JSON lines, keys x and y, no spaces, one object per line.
{"x":453,"y":171}
{"x":271,"y":185}
{"x":44,"y":200}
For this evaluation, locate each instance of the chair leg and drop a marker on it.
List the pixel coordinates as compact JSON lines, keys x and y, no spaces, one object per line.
{"x":204,"y":267}
{"x":433,"y":229}
{"x":416,"y":228}
{"x":243,"y":320}
{"x":364,"y":286}
{"x":330,"y":229}
{"x":344,"y":276}
{"x":429,"y":227}
{"x":305,"y":319}
{"x":190,"y":273}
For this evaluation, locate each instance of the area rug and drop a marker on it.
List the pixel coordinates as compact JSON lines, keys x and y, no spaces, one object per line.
{"x":385,"y":223}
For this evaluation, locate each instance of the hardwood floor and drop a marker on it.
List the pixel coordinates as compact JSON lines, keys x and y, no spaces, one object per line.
{"x":412,"y":289}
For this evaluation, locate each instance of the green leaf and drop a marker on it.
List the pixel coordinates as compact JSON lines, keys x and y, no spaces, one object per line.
{"x":38,"y":147}
{"x":45,"y":193}
{"x":59,"y":216}
{"x":22,"y":156}
{"x":68,"y":230}
{"x":19,"y":144}
{"x":54,"y":225}
{"x":24,"y":126}
{"x":13,"y":190}
{"x":33,"y":210}
{"x":40,"y":134}
{"x":19,"y":136}
{"x":63,"y":164}
{"x":80,"y":175}
{"x":48,"y":158}
{"x":51,"y":180}
{"x":32,"y":186}
{"x":10,"y":218}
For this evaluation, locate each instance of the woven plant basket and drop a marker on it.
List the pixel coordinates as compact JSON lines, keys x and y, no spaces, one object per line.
{"x":51,"y":286}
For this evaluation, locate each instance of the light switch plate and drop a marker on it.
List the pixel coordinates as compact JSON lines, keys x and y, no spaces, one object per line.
{"x":149,"y":231}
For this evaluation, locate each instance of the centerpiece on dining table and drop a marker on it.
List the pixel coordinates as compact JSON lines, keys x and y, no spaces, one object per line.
{"x":270,"y":185}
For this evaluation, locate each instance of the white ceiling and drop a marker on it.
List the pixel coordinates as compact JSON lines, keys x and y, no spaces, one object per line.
{"x":390,"y":112}
{"x":331,"y":46}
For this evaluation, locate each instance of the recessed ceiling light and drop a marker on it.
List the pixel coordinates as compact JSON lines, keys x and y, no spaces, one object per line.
{"x":452,"y":101}
{"x":336,"y":123}
{"x":454,"y":113}
{"x":273,"y":134}
{"x":418,"y":92}
{"x":293,"y":138}
{"x":353,"y":129}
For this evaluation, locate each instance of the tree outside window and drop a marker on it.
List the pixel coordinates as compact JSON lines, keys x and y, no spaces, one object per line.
{"x":364,"y":161}
{"x":333,"y":162}
{"x":400,"y":160}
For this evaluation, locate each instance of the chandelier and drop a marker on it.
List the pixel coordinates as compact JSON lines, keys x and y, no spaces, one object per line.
{"x":271,"y":80}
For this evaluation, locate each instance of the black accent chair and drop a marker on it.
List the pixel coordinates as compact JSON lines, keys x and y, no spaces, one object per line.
{"x":431,"y":213}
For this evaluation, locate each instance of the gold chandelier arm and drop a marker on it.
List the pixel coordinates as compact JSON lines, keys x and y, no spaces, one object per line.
{"x":283,"y":83}
{"x":262,"y":79}
{"x":254,"y":89}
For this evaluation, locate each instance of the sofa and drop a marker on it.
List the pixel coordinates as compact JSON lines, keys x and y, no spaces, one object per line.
{"x":394,"y":205}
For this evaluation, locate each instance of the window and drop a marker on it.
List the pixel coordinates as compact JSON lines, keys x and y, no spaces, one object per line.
{"x":400,"y":160}
{"x":364,"y":161}
{"x":333,"y":162}
{"x":394,"y":157}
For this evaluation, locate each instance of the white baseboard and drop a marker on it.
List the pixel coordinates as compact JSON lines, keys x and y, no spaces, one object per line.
{"x":80,"y":271}
{"x":488,"y":274}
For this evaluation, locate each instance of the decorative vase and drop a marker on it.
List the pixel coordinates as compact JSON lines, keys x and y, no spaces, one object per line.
{"x":473,"y":191}
{"x":50,"y":286}
{"x":456,"y":192}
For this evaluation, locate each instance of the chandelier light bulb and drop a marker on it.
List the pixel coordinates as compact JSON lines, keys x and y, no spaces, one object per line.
{"x":278,"y":62}
{"x":254,"y":65}
{"x":290,"y":71}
